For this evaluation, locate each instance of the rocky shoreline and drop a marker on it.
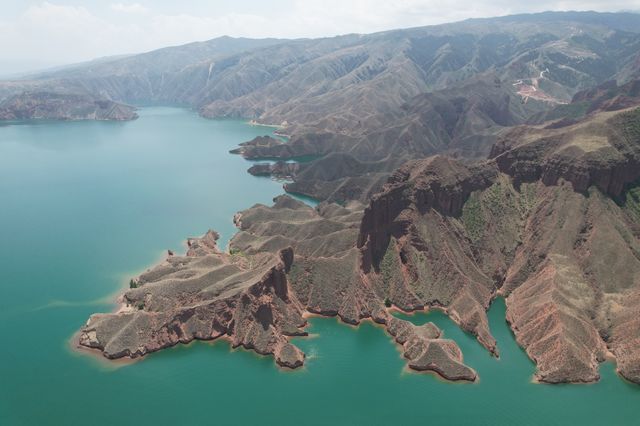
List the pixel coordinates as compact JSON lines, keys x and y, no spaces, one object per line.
{"x":256,"y":300}
{"x":440,"y":233}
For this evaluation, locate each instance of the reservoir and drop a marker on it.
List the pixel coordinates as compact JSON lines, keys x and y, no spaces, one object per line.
{"x":85,"y":206}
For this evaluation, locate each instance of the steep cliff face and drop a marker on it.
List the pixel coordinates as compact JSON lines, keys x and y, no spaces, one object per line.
{"x":600,"y":151}
{"x":529,"y":228}
{"x":327,"y":277}
{"x":56,"y":106}
{"x":572,"y":285}
{"x":414,"y":250}
{"x":205,"y":295}
{"x":567,"y":262}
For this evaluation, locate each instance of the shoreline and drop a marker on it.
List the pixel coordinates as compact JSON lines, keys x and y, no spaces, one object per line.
{"x":118,"y":306}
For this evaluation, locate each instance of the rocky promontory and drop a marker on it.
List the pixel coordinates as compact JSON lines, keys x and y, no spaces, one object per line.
{"x":205,"y":295}
{"x":284,"y":261}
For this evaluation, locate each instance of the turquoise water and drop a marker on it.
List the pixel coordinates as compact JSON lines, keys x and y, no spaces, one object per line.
{"x":87,"y":205}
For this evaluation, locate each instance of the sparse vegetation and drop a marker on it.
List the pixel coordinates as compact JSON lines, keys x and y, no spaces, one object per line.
{"x":569,"y":111}
{"x":133,"y":283}
{"x":528,"y":197}
{"x":389,"y":264}
{"x":387,"y":302}
{"x":472,"y":217}
{"x":234,"y":251}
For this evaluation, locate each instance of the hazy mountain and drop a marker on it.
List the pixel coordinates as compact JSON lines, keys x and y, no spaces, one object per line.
{"x":389,"y":96}
{"x":340,"y":84}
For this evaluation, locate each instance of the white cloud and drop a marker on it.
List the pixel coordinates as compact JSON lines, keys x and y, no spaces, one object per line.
{"x":54,"y":34}
{"x":129,"y":8}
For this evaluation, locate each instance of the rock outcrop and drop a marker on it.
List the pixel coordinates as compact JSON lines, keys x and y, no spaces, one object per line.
{"x":278,"y":170}
{"x":413,"y":250}
{"x":426,"y":351}
{"x":600,"y":151}
{"x":252,"y":148}
{"x":327,"y":277}
{"x":205,"y":295}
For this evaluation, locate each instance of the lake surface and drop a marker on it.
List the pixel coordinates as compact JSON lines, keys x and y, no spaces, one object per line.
{"x":87,"y":205}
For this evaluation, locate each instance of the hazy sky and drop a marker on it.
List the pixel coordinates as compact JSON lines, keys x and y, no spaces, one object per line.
{"x":36,"y":33}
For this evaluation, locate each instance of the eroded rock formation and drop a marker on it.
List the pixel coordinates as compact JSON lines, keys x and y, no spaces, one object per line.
{"x":205,"y":295}
{"x":550,"y":223}
{"x":537,"y":225}
{"x":285,"y":260}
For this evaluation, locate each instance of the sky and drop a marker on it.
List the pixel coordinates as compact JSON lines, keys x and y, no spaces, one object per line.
{"x":36,"y":34}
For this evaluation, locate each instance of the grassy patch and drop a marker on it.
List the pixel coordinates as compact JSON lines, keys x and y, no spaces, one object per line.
{"x":572,"y":111}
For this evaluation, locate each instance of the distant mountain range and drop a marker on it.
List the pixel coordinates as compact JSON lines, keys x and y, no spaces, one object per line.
{"x":367,"y":88}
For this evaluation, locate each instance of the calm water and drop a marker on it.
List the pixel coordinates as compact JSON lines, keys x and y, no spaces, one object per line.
{"x":87,"y":205}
